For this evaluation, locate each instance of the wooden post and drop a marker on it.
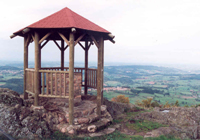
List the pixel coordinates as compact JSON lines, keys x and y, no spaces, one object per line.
{"x":62,"y":55}
{"x":26,"y":43}
{"x":39,"y":77}
{"x":102,"y":44}
{"x":71,"y":78}
{"x":37,"y":67}
{"x":86,"y":67}
{"x":99,"y":77}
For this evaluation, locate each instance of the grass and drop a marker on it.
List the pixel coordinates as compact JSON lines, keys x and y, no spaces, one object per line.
{"x":143,"y":125}
{"x":114,"y":136}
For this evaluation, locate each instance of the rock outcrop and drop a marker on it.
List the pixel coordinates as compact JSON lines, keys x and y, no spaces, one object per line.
{"x":183,"y":122}
{"x":20,"y":118}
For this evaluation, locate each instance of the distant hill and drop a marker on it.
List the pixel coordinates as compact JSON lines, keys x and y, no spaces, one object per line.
{"x":9,"y":68}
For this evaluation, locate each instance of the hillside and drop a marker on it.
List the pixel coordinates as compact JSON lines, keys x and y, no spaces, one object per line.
{"x":135,"y":81}
{"x":119,"y":121}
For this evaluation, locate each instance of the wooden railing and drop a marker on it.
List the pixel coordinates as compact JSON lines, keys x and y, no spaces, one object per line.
{"x":92,"y":78}
{"x":91,"y":74}
{"x":30,"y":76}
{"x":54,"y":83}
{"x":81,"y":70}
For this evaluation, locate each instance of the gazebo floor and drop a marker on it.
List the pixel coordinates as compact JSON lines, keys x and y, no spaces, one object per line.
{"x":55,"y":111}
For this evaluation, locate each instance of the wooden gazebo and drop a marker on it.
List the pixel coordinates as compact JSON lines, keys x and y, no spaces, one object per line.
{"x":66,"y":29}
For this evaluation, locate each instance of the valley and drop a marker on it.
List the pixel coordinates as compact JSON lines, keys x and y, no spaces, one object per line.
{"x":137,"y":82}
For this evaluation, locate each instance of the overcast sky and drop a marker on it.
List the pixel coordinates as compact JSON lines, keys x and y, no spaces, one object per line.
{"x":147,"y":31}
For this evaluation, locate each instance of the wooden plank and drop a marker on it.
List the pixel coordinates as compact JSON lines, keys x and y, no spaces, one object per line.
{"x":44,"y":43}
{"x":45,"y":37}
{"x":44,"y":68}
{"x":51,"y":83}
{"x":53,"y":96}
{"x":29,"y":92}
{"x":65,"y":84}
{"x":57,"y":44}
{"x":95,"y":42}
{"x":47,"y":83}
{"x":60,"y":85}
{"x":54,"y":71}
{"x":43,"y":83}
{"x":71,"y":79}
{"x":64,"y":38}
{"x":81,"y":77}
{"x":79,"y":39}
{"x":28,"y":69}
{"x":56,"y":84}
{"x":93,"y":78}
{"x":32,"y":84}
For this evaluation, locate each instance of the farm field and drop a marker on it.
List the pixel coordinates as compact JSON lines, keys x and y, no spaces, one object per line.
{"x":137,"y":82}
{"x":160,"y":83}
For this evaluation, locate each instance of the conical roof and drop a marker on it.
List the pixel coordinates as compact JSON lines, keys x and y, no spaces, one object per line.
{"x":66,"y":18}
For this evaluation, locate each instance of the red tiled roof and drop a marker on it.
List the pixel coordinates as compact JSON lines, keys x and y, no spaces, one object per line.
{"x":66,"y":18}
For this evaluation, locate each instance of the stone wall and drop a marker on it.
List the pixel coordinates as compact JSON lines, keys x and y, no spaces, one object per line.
{"x":60,"y":84}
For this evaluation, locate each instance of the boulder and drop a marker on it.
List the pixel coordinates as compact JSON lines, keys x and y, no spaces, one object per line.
{"x":10,"y":97}
{"x":183,"y":122}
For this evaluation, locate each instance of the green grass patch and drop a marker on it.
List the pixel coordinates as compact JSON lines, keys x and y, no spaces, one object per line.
{"x":143,"y":125}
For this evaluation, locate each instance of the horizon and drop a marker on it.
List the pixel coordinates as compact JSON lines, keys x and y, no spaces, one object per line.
{"x":185,"y":67}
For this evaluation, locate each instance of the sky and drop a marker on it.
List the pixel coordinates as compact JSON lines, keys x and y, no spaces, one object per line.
{"x":146,"y":31}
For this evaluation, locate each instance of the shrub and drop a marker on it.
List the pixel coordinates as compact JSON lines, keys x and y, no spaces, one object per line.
{"x":121,"y":99}
{"x":167,"y":105}
{"x":155,"y":104}
{"x":146,"y":103}
{"x":176,"y":104}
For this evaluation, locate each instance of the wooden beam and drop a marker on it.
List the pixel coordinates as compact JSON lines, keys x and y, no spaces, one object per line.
{"x":86,"y":67}
{"x":73,"y":30}
{"x":71,"y":79}
{"x":66,"y":47}
{"x":53,"y":96}
{"x":91,"y":43}
{"x":113,"y":41}
{"x":64,"y":38}
{"x":37,"y":67}
{"x":99,"y":77}
{"x":33,"y":37}
{"x":26,"y":43}
{"x":111,"y":36}
{"x":26,"y":30}
{"x":81,"y":45}
{"x":12,"y":36}
{"x":95,"y":42}
{"x":80,"y":37}
{"x":57,"y":44}
{"x":44,"y":43}
{"x":45,"y":37}
{"x":62,"y":55}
